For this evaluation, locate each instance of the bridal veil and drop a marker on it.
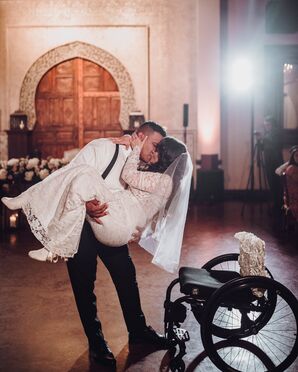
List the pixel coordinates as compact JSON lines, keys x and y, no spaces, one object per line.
{"x":163,"y":237}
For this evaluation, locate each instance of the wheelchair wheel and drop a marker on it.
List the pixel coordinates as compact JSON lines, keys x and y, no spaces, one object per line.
{"x":227,"y":262}
{"x":227,"y":324}
{"x":259,"y":342}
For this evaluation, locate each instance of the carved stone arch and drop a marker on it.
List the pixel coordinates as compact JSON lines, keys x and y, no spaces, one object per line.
{"x":85,"y":51}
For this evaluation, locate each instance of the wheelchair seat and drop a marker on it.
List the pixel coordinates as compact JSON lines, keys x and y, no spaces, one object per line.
{"x":194,"y":281}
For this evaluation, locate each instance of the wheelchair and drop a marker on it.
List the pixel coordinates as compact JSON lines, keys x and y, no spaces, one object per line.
{"x":247,"y":323}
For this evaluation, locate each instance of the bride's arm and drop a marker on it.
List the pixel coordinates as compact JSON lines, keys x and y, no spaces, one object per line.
{"x":123,"y":140}
{"x":145,"y":181}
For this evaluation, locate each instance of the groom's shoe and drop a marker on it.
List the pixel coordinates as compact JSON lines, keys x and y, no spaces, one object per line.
{"x":102,"y":354}
{"x":149,"y":336}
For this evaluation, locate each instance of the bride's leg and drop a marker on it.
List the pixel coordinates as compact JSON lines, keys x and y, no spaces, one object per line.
{"x":64,"y":230}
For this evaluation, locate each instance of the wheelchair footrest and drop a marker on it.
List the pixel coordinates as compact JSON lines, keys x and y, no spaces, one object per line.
{"x":181,"y":334}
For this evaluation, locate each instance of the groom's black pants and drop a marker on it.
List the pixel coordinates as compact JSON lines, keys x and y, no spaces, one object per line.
{"x":82,"y":273}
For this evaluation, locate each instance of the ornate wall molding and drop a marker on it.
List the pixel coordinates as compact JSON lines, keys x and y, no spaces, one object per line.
{"x":81,"y":50}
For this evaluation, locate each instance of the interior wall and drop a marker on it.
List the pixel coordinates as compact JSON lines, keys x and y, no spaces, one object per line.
{"x":163,"y":48}
{"x":208,"y":135}
{"x":110,"y":39}
{"x":154,"y":40}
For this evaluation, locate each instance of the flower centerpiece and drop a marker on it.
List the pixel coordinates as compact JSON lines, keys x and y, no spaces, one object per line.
{"x":16,"y":175}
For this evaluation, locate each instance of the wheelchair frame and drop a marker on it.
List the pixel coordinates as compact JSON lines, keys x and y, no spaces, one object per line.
{"x":233,"y":316}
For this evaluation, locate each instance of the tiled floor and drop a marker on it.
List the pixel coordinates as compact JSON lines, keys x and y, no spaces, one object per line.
{"x":39,"y":326}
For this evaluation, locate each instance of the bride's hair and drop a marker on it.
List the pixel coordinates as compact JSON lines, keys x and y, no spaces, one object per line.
{"x":169,"y":148}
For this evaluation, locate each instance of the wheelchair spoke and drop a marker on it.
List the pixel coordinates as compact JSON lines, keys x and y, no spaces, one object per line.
{"x":263,"y":342}
{"x":277,"y":340}
{"x":277,"y":331}
{"x":227,"y":266}
{"x":227,"y":319}
{"x":248,"y":362}
{"x":240,"y":358}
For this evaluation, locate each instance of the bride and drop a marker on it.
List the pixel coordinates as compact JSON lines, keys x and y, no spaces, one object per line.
{"x":156,"y":200}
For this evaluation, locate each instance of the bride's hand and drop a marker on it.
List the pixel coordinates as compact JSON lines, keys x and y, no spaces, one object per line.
{"x":123,"y":140}
{"x":136,"y":235}
{"x":136,"y":141}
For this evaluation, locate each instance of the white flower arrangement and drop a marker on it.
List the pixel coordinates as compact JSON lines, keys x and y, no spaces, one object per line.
{"x":24,"y":170}
{"x":32,"y":163}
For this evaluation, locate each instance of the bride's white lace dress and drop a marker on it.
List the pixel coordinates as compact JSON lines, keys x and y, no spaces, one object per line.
{"x":55,"y":208}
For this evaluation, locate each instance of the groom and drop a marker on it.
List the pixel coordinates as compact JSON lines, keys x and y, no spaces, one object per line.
{"x":82,"y":267}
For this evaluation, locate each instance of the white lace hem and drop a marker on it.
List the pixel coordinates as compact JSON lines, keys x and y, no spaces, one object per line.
{"x":66,"y":247}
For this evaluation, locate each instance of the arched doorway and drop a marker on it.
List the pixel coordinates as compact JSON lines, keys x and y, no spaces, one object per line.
{"x":76,"y":101}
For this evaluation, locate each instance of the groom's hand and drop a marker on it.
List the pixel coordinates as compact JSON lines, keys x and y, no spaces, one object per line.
{"x":96,"y":210}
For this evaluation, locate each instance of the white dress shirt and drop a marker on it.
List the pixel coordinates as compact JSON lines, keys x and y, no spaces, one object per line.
{"x":99,"y":153}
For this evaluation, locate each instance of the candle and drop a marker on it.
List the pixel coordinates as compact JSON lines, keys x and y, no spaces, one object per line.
{"x":136,"y":124}
{"x":13,"y":220}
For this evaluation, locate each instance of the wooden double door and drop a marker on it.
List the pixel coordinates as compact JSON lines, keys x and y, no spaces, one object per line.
{"x":76,"y":102}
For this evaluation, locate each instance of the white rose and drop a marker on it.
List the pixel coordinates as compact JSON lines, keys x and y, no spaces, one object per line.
{"x":32,"y":163}
{"x":44,"y":173}
{"x":29,"y":175}
{"x":43,"y":163}
{"x":54,"y":163}
{"x":3,"y":174}
{"x":35,"y":161}
{"x":11,"y":162}
{"x":64,"y":161}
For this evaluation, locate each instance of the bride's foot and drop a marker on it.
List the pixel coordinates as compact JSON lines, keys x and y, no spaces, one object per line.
{"x":43,"y":255}
{"x":13,"y":203}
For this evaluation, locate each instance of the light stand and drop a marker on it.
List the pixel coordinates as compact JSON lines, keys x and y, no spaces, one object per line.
{"x":252,"y":130}
{"x":185,"y":122}
{"x":256,"y":154}
{"x":241,"y":75}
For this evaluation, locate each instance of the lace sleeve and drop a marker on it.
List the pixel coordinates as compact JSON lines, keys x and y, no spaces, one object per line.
{"x":146,"y":181}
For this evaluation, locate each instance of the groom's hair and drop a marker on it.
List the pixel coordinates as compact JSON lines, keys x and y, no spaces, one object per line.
{"x":151,"y":126}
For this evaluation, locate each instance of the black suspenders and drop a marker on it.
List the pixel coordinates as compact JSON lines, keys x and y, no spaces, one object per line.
{"x":112,"y":162}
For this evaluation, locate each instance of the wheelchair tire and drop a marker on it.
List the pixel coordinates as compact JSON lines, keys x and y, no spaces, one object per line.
{"x":274,"y":334}
{"x":227,"y":262}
